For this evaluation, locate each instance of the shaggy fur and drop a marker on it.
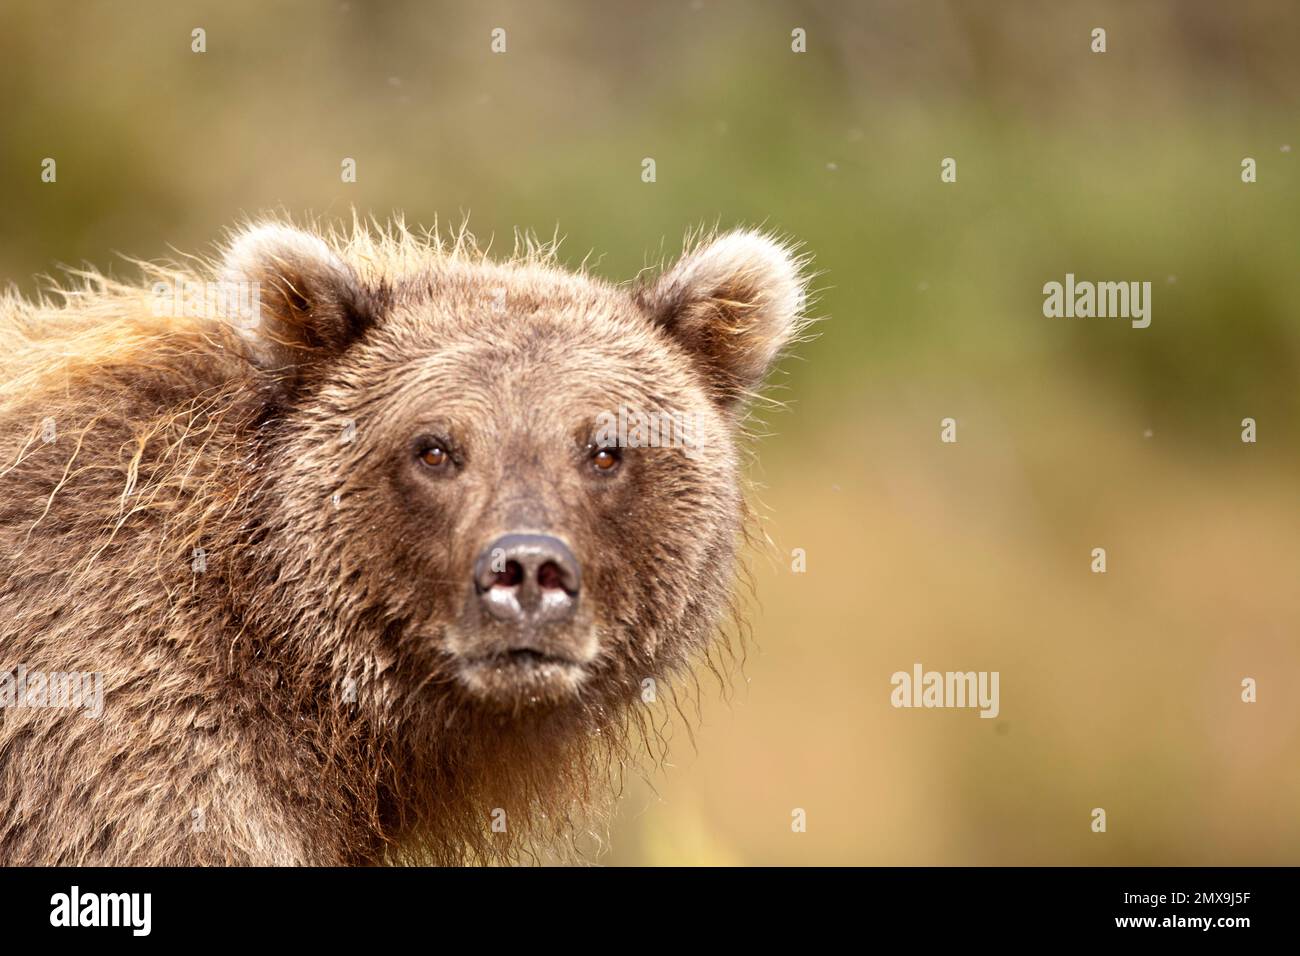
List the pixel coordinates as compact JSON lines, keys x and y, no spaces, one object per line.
{"x":296,"y":696}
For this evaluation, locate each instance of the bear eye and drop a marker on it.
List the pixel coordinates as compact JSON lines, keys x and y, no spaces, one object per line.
{"x":606,"y":459}
{"x":435,"y":456}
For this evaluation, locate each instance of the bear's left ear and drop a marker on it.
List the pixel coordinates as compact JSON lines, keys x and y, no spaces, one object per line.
{"x":735,"y":303}
{"x":302,"y":303}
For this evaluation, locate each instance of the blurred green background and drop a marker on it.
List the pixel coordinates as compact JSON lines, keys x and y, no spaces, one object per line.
{"x":1119,"y":691}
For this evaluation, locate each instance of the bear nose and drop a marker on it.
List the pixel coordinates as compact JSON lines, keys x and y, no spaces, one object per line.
{"x":528,"y":578}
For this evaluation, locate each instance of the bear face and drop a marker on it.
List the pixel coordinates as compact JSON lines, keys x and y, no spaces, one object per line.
{"x":450,"y":478}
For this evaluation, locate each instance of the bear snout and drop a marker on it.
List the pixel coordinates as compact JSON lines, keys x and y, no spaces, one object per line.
{"x":524,"y":604}
{"x":528,"y":579}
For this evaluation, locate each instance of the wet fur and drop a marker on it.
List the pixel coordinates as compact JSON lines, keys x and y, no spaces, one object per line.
{"x":224,"y":693}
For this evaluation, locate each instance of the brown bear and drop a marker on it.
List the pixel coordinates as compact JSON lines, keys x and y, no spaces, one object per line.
{"x":358,"y":546}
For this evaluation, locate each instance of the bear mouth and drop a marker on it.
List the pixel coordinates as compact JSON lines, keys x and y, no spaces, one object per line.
{"x":523,"y":673}
{"x":528,"y":657}
{"x":522,"y":657}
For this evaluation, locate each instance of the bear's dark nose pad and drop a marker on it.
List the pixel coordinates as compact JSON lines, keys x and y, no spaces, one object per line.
{"x":528,"y":579}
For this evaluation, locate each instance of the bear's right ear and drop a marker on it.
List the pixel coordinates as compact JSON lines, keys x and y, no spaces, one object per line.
{"x":300,"y":303}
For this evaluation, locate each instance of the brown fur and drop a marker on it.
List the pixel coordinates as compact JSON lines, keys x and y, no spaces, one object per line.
{"x":228,"y":691}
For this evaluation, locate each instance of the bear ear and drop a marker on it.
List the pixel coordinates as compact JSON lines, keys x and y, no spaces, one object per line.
{"x":301,"y":303}
{"x":734,"y":302}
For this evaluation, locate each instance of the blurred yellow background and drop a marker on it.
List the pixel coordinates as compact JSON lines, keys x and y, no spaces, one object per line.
{"x":1120,"y":690}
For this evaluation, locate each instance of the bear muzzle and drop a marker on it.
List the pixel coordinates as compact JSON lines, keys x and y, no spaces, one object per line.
{"x":524,"y":617}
